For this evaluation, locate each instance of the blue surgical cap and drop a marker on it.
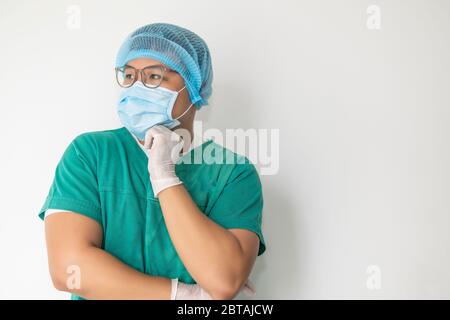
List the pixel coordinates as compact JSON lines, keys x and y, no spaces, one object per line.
{"x":177,"y":48}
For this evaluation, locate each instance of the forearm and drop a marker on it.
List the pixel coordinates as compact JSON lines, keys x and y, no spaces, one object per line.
{"x":102,"y":276}
{"x":210,"y":252}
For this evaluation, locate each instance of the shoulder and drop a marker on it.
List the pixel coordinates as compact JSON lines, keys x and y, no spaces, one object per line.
{"x":230,"y":164}
{"x":97,"y":136}
{"x":95,"y":140}
{"x":88,"y":145}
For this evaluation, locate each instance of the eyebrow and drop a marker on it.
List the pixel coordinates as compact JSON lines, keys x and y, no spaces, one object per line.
{"x":154,"y":65}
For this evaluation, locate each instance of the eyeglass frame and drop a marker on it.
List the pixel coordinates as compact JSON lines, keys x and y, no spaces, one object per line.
{"x":163,"y":69}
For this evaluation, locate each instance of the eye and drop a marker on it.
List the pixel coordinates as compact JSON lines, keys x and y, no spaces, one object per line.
{"x":155,"y":76}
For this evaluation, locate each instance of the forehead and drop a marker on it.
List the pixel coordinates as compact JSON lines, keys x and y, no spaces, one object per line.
{"x":140,"y":63}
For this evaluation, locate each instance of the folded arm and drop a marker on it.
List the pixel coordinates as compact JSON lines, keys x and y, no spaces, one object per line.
{"x":74,"y":250}
{"x":219,"y":259}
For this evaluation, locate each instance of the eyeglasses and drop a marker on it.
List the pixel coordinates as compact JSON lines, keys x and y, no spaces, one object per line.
{"x":151,"y":76}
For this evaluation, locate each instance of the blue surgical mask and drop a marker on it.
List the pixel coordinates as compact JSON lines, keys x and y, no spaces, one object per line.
{"x":141,"y":108}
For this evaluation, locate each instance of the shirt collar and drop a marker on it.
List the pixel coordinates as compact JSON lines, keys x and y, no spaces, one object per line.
{"x":137,"y":141}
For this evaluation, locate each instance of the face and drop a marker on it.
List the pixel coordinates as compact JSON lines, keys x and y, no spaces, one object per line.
{"x":173,"y":81}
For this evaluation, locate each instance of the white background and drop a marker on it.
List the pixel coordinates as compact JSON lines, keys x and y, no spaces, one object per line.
{"x":363,"y":117}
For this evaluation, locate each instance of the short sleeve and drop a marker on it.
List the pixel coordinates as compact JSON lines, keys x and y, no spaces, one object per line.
{"x":75,"y":186}
{"x":240,"y":203}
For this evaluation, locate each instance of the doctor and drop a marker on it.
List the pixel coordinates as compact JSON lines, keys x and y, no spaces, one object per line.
{"x":126,"y":209}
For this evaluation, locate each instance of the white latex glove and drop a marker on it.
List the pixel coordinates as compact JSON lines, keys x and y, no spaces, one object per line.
{"x":163,"y":147}
{"x":184,"y":291}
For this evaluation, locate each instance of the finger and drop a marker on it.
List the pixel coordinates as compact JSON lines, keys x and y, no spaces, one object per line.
{"x":150,"y":136}
{"x":249,"y":288}
{"x":148,"y":140}
{"x":162,"y":129}
{"x":174,"y":136}
{"x":176,"y":151}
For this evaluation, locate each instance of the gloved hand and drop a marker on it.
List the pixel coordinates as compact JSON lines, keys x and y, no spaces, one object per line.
{"x":163,"y":147}
{"x":184,"y":291}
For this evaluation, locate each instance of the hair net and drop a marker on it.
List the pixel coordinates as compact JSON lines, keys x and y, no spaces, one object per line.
{"x":179,"y":49}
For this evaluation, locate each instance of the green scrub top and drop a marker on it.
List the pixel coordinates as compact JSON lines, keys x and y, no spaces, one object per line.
{"x":103,"y":175}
